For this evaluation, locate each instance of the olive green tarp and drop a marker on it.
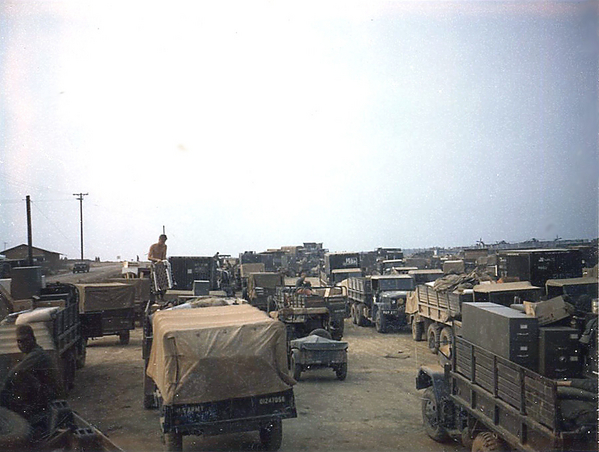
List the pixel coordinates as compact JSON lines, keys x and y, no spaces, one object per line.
{"x":95,"y":297}
{"x":217,"y":353}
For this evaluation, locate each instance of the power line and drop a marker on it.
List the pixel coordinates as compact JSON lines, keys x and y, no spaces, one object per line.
{"x":50,"y":221}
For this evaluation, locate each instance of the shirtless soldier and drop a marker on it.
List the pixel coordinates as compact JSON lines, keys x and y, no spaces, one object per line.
{"x":157,"y":251}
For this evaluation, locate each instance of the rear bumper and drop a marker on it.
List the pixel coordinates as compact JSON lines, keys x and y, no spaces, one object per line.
{"x":228,"y":416}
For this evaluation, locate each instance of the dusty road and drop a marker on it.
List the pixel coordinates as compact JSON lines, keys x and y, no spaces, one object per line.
{"x":98,"y":272}
{"x":377,"y":408}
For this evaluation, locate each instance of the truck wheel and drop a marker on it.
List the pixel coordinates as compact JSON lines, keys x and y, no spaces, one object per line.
{"x":487,"y":442}
{"x":321,"y":332}
{"x":430,"y":416}
{"x":446,"y":342}
{"x":271,"y":436}
{"x":341,"y":371}
{"x":337,"y":329}
{"x":417,"y":330}
{"x":380,"y":322}
{"x":148,"y":388}
{"x":354,"y":317}
{"x":432,"y":336}
{"x":173,"y":442}
{"x":124,"y":337}
{"x":362,"y":321}
{"x":295,"y":366}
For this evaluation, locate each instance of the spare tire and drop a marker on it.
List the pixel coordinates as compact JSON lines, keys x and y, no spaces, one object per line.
{"x":14,"y":431}
{"x":321,"y":332}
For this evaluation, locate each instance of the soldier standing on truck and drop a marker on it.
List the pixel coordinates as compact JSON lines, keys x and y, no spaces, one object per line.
{"x":33,"y":383}
{"x":157,"y":251}
{"x":159,"y":268}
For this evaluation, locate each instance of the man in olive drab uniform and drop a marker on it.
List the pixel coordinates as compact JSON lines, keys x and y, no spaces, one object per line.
{"x":34,"y":382}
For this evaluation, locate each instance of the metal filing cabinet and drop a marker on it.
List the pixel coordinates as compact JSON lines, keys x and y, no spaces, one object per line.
{"x":503,"y":331}
{"x":559,"y":352}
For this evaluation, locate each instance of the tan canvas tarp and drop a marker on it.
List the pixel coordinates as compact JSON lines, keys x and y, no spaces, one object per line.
{"x":246,"y":269}
{"x":105,"y":296}
{"x":217,"y":353}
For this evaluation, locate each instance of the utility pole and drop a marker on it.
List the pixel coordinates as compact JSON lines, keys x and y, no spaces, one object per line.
{"x":29,"y":235}
{"x":80,"y":199}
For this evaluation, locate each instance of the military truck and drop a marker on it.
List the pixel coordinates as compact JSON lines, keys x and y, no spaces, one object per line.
{"x":107,"y":309}
{"x":436,"y":315}
{"x":539,"y":265}
{"x":54,"y":318}
{"x":244,"y":271}
{"x":261,"y":289}
{"x":216,"y":370}
{"x":339,"y":266}
{"x":81,"y":267}
{"x":379,"y":300}
{"x":304,"y":310}
{"x":490,"y":403}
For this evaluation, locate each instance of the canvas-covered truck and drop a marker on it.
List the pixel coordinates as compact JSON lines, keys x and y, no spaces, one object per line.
{"x":379,"y":300}
{"x":219,"y":369}
{"x":490,"y":404}
{"x":307,"y":309}
{"x":261,"y":289}
{"x":107,"y":309}
{"x":54,"y":318}
{"x":435,"y":314}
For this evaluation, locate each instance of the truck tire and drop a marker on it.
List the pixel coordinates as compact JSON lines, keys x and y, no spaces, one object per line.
{"x":380,"y":322}
{"x":430,"y":416}
{"x":487,"y":442}
{"x":173,"y":442}
{"x":124,"y":337}
{"x":321,"y":332}
{"x":353,"y":314}
{"x":417,"y":330}
{"x":271,"y":435}
{"x":295,"y":366}
{"x":446,"y":343}
{"x":362,"y":321}
{"x":337,"y":329}
{"x":148,"y":392}
{"x":14,"y":431}
{"x":432,"y":336}
{"x":341,"y":371}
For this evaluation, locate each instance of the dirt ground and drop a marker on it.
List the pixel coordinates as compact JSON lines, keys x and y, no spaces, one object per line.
{"x":376,"y":408}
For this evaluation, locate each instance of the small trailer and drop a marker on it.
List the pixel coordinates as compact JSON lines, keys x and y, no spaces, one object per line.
{"x":318,"y":351}
{"x":107,"y":309}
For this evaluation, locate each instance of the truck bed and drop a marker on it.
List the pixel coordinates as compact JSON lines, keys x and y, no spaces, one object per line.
{"x":516,"y":402}
{"x":431,"y":304}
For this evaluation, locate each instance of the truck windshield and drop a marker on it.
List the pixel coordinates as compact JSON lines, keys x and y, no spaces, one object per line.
{"x":396,"y":284}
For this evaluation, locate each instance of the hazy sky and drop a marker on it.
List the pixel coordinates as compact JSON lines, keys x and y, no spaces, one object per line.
{"x":254,"y":125}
